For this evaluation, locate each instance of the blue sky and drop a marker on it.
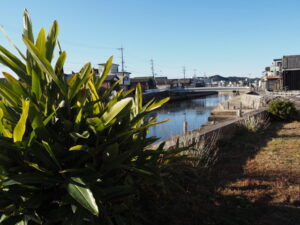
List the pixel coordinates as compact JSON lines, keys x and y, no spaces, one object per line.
{"x":226,"y":37}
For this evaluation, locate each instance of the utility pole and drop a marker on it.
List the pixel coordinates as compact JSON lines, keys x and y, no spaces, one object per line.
{"x":195,"y":73}
{"x":183,"y":72}
{"x":152,"y":68}
{"x":122,"y":59}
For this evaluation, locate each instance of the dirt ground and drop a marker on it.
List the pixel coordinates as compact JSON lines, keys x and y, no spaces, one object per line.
{"x":258,"y":178}
{"x":256,"y":181}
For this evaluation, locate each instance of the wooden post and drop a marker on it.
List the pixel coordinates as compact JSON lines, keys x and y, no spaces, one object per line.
{"x":240,"y":110}
{"x":185,"y":127}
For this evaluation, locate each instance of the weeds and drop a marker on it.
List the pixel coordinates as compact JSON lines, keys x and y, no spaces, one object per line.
{"x":255,"y":123}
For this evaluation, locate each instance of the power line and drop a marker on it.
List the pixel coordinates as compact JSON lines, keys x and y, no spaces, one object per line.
{"x":86,"y":46}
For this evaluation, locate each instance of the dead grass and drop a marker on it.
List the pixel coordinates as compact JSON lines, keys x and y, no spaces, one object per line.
{"x":255,"y":181}
{"x":271,"y":177}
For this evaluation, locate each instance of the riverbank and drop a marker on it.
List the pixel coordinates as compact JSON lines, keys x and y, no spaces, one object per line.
{"x":254,"y":181}
{"x":247,"y":172}
{"x":192,"y":113}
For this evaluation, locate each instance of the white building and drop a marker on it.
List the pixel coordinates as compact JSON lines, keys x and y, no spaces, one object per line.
{"x":114,"y":70}
{"x":275,"y":69}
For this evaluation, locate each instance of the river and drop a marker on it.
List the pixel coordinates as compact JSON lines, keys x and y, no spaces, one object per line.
{"x":194,"y":111}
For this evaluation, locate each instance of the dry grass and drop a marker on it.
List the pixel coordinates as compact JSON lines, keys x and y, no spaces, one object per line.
{"x":255,"y":181}
{"x":256,"y":123}
{"x":272,"y":177}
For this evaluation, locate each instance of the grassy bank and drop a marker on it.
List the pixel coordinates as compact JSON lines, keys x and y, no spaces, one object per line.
{"x":256,"y":180}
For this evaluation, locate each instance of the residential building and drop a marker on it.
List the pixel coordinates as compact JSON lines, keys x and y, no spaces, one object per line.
{"x":162,"y":82}
{"x":145,"y":82}
{"x":291,"y":72}
{"x":114,"y":70}
{"x":109,"y":81}
{"x":273,"y":76}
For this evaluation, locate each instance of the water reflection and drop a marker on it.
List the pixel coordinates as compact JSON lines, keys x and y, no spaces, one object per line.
{"x":195,"y":112}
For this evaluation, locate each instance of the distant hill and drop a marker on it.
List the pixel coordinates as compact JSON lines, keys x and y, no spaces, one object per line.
{"x":217,"y":78}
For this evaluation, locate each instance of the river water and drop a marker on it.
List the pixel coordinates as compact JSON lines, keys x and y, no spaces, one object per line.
{"x":194,"y":111}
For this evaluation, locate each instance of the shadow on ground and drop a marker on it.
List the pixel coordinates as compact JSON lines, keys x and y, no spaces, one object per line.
{"x":205,"y":202}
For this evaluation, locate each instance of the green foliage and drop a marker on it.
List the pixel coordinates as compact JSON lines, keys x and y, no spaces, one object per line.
{"x":282,"y":110}
{"x":67,"y":154}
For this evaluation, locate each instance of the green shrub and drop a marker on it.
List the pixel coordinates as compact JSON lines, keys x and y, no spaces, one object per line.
{"x":69,"y":155}
{"x":282,"y":110}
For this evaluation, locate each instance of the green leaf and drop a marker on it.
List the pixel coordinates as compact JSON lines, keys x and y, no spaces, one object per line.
{"x":36,"y":86}
{"x":14,"y":67}
{"x":13,"y":58}
{"x":158,"y":104}
{"x":50,"y":152}
{"x":27,"y":26}
{"x":21,"y":125}
{"x":80,"y":81}
{"x":1,"y":124}
{"x":16,"y":85}
{"x":83,"y":195}
{"x":60,"y":63}
{"x":8,"y":94}
{"x":138,"y":98}
{"x":115,"y":110}
{"x":44,"y":64}
{"x":11,"y":42}
{"x":29,"y":178}
{"x":78,"y":148}
{"x":41,"y":42}
{"x":104,"y":74}
{"x":96,"y":124}
{"x":51,"y":41}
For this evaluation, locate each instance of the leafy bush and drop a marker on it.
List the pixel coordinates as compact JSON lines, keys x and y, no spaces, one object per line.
{"x":69,"y":155}
{"x":282,"y":110}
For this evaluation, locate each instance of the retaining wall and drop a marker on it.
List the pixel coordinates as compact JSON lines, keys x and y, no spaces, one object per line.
{"x":224,"y":130}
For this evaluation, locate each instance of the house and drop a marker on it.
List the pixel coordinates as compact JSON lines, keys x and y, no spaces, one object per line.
{"x":198,"y":82}
{"x":186,"y":82}
{"x":114,"y":70}
{"x":275,"y":69}
{"x":271,"y":82}
{"x":291,"y":72}
{"x":162,"y":82}
{"x":109,"y":81}
{"x":273,"y":76}
{"x":145,"y":82}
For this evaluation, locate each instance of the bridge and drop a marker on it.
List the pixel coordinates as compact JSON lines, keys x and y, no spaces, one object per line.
{"x":188,"y":93}
{"x":220,"y":89}
{"x":199,"y":89}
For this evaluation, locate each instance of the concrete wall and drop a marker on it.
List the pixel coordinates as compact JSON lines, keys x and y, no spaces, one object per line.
{"x":252,"y":101}
{"x":203,"y":136}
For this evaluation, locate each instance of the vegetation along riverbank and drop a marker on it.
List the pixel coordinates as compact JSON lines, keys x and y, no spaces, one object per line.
{"x":71,"y":154}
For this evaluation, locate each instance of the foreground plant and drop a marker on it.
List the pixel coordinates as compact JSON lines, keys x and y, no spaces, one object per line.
{"x":67,"y":154}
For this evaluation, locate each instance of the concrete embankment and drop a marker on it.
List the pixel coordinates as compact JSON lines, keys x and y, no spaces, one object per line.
{"x":237,"y":106}
{"x":224,"y":120}
{"x":198,"y":137}
{"x":176,"y":95}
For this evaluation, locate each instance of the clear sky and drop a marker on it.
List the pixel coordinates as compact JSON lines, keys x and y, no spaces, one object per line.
{"x":226,"y":37}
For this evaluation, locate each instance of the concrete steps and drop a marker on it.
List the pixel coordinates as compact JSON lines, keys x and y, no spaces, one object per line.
{"x":219,"y":118}
{"x":224,"y":113}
